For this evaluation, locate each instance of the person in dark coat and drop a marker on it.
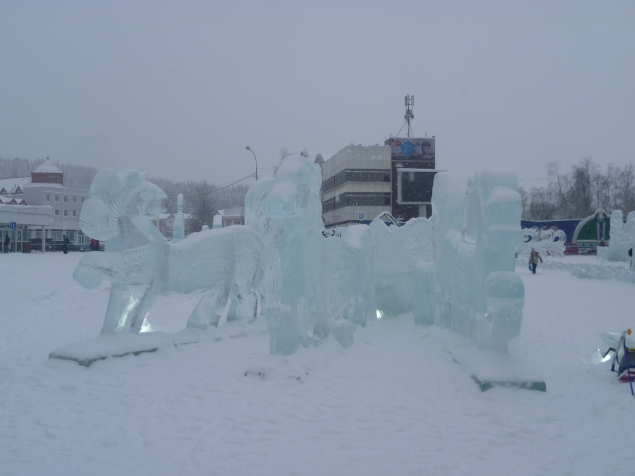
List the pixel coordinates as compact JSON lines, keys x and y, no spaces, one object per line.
{"x":534,"y":257}
{"x":65,"y":244}
{"x":7,"y":242}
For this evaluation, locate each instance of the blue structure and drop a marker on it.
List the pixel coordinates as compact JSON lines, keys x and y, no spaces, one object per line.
{"x":568,"y":226}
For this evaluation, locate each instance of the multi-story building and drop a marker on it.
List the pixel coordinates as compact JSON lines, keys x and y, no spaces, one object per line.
{"x":360,"y":182}
{"x":45,"y":186}
{"x":355,"y":184}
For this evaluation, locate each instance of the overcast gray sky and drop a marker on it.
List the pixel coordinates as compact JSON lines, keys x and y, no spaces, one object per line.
{"x":180,"y":88}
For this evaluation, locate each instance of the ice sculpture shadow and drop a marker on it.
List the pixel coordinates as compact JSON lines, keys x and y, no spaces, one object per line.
{"x":141,"y":263}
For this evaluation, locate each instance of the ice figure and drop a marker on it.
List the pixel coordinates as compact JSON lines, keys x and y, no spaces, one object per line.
{"x":311,"y":284}
{"x":141,"y":263}
{"x":620,"y":242}
{"x":476,"y":233}
{"x":292,"y":199}
{"x":629,"y":232}
{"x":401,"y":256}
{"x":546,"y":242}
{"x":178,"y":228}
{"x":270,"y":232}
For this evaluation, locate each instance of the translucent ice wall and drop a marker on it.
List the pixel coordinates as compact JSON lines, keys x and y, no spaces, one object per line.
{"x":349,"y":275}
{"x":476,"y":233}
{"x":399,"y":255}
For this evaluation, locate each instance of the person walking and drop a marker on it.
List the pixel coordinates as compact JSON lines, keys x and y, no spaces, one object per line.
{"x":65,"y":244}
{"x":7,"y":242}
{"x":534,"y":258}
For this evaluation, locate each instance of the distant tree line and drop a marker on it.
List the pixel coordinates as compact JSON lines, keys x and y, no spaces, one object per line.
{"x":202,"y":199}
{"x":580,"y":192}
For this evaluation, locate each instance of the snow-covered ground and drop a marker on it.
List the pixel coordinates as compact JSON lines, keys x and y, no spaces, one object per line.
{"x":393,"y":404}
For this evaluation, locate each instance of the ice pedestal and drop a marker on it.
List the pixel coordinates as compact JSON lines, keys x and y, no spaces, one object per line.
{"x":112,"y":345}
{"x":490,"y":369}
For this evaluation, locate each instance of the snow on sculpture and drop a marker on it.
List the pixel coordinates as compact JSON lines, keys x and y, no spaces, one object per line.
{"x":141,"y":263}
{"x":476,"y":234}
{"x":311,"y":284}
{"x":547,"y":242}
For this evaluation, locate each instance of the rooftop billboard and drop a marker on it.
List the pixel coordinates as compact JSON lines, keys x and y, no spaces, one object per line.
{"x":411,"y":147}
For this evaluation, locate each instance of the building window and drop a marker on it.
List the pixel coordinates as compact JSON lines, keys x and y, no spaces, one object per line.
{"x":57,"y":198}
{"x":65,"y":213}
{"x":65,"y":198}
{"x":48,"y":197}
{"x":83,"y":198}
{"x":74,"y":213}
{"x":57,"y":212}
{"x":74,"y":199}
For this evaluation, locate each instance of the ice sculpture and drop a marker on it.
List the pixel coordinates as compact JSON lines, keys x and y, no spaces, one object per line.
{"x":620,"y":242}
{"x":293,"y":211}
{"x":629,"y":232}
{"x":476,"y":234}
{"x":401,"y":256}
{"x":311,"y":284}
{"x":178,"y":228}
{"x":141,"y":263}
{"x":547,"y":242}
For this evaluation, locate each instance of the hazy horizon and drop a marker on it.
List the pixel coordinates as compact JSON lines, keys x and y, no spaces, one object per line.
{"x":179,"y":89}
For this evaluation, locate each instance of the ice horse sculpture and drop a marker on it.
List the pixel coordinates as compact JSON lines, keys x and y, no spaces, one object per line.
{"x":311,"y":284}
{"x":141,"y":263}
{"x":476,"y":234}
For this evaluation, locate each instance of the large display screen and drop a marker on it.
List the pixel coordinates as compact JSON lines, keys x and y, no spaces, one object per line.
{"x":414,"y":186}
{"x":411,"y":147}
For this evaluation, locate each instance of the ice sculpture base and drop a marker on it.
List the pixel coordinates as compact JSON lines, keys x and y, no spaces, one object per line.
{"x":492,"y":369}
{"x":87,"y":352}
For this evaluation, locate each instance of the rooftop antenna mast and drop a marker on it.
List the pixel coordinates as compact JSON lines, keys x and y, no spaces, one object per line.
{"x":410,"y":101}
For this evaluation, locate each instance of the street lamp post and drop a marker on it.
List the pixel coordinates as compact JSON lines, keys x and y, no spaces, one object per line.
{"x":254,"y":159}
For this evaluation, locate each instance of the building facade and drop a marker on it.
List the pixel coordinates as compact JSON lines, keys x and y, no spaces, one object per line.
{"x":355,"y":185}
{"x":45,"y":187}
{"x":230,"y":216}
{"x":360,"y":182}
